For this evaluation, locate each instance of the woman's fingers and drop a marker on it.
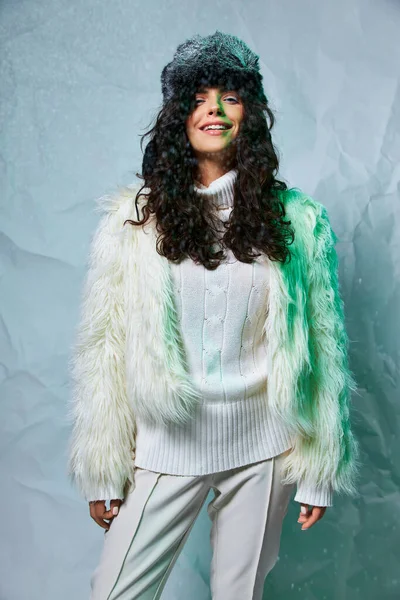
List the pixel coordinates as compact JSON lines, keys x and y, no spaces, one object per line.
{"x":114,"y":509}
{"x":98,"y":512}
{"x":311,"y":515}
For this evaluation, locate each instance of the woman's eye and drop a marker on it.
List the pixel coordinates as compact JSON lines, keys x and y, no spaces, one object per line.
{"x":227,"y":98}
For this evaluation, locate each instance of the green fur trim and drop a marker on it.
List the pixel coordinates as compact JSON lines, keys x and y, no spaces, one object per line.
{"x":328,"y":449}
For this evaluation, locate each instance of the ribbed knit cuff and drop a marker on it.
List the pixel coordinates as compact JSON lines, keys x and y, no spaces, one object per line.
{"x":104,"y":494}
{"x":315,"y":496}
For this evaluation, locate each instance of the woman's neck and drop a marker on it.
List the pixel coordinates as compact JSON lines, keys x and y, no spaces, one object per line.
{"x":209,"y":171}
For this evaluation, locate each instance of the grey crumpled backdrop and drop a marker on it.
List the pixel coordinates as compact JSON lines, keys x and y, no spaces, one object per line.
{"x":79,"y":81}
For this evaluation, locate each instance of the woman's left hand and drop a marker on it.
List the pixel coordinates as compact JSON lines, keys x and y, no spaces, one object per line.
{"x":310,"y":515}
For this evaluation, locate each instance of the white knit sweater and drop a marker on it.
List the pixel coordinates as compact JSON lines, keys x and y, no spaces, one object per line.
{"x":220,"y":314}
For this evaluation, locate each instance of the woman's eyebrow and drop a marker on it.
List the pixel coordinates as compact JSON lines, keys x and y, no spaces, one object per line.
{"x":205,"y":91}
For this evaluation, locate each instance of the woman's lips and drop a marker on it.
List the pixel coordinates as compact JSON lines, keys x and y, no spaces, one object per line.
{"x":215,"y":131}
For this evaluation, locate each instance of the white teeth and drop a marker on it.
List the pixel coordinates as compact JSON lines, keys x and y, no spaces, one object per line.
{"x":215,"y":127}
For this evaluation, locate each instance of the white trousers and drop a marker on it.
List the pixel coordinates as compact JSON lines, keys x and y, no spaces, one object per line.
{"x":156,"y":517}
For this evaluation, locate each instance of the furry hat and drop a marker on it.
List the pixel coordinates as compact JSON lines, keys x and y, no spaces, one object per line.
{"x":219,"y":58}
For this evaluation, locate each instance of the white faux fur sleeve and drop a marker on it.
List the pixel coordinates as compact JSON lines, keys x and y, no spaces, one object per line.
{"x":101,"y":451}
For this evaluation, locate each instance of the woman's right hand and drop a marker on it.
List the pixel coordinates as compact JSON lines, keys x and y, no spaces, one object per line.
{"x":98,"y":512}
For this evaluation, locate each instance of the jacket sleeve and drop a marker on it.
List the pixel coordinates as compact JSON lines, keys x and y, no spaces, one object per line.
{"x":101,"y":450}
{"x":334,"y":453}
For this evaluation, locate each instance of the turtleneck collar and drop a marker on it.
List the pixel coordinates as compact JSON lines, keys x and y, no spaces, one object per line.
{"x":220,"y":191}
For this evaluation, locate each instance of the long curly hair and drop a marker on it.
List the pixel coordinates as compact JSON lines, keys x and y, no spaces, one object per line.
{"x":185,"y":220}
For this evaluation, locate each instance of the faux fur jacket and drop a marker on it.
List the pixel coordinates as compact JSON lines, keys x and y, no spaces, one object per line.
{"x":127,"y":359}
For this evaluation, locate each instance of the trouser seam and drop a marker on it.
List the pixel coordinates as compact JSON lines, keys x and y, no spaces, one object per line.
{"x":176,"y":553}
{"x":266,"y":521}
{"x":215,"y":552}
{"x":133,"y":537}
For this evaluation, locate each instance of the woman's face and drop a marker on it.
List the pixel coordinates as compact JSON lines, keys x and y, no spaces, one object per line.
{"x":214,"y":105}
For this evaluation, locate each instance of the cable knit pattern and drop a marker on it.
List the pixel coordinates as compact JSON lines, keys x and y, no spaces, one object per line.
{"x":220,"y":316}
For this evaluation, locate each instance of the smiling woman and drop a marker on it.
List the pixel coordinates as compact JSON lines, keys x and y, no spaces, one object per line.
{"x":212,"y":353}
{"x":212,"y":129}
{"x":185,"y":147}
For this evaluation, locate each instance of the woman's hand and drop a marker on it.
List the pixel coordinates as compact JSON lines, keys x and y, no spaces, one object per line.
{"x":98,"y":512}
{"x":309,"y":516}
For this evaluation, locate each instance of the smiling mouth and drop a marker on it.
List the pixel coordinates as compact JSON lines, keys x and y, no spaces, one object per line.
{"x":225,"y":128}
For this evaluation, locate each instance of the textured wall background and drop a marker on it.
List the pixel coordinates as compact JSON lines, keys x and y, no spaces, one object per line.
{"x":79,"y":81}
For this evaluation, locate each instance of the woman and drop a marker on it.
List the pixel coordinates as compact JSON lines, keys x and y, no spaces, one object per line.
{"x":211,"y":351}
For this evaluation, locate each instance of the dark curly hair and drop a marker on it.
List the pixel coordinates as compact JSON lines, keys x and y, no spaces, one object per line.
{"x":184,"y":219}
